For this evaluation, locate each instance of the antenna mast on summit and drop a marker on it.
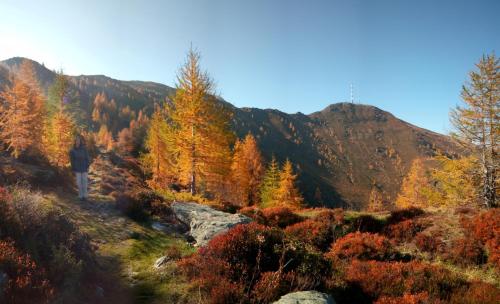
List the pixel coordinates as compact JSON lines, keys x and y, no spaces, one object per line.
{"x":352,"y":95}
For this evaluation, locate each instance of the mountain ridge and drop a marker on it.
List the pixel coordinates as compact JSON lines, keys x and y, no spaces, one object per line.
{"x":341,"y":152}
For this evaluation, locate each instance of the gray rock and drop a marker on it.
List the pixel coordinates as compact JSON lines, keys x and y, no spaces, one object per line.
{"x":4,"y":278}
{"x":161,"y":262}
{"x":99,"y":291}
{"x":306,"y":297}
{"x":205,"y":222}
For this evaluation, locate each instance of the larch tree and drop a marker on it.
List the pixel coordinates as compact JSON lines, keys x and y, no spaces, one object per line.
{"x":37,"y":102}
{"x":413,"y":188}
{"x":160,"y":156}
{"x":247,"y":171}
{"x":477,"y":124}
{"x":288,"y":195}
{"x":270,"y":185}
{"x":59,"y":134}
{"x":22,"y":112}
{"x":454,"y":181}
{"x":203,"y":136}
{"x":376,"y":200}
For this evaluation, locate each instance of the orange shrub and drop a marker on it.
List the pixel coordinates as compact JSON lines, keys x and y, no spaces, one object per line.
{"x":403,"y":231}
{"x":25,"y":280}
{"x":280,"y":217}
{"x":318,"y":234}
{"x":476,"y":292}
{"x":366,"y":223}
{"x":364,"y":246}
{"x":404,"y":214}
{"x":394,"y":279}
{"x":331,"y":216}
{"x":254,"y":213}
{"x":419,"y":298}
{"x":481,"y":240}
{"x":245,"y":257}
{"x":429,"y":242}
{"x":466,"y":251}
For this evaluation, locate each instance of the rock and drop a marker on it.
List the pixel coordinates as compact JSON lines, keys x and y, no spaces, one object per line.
{"x":99,"y":291}
{"x":161,"y":262}
{"x":205,"y":222}
{"x":306,"y":297}
{"x":3,"y":280}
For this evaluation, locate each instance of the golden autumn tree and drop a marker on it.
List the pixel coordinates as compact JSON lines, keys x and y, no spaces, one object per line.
{"x":288,"y":195}
{"x":376,"y":200}
{"x":270,"y":185}
{"x":247,"y":171}
{"x":59,"y":133}
{"x":202,"y":127}
{"x":160,"y":158}
{"x":477,"y":124}
{"x":413,"y":188}
{"x":454,"y":181}
{"x":37,"y":103}
{"x":22,"y":112}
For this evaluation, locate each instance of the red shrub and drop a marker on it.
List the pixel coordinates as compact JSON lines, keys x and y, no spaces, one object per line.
{"x":394,"y":279}
{"x":331,"y":216}
{"x":318,"y":234}
{"x":404,"y":214}
{"x":281,"y":217}
{"x":270,"y":286}
{"x":403,"y":231}
{"x":4,"y":195}
{"x":364,"y":246}
{"x":482,"y":237}
{"x":254,"y":213}
{"x":244,"y":254}
{"x":466,"y":251}
{"x":367,"y":223}
{"x":477,"y":292}
{"x":25,"y":280}
{"x":419,"y":298}
{"x":429,"y":242}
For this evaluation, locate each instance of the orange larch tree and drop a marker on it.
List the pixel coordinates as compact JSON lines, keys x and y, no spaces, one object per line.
{"x":247,"y":171}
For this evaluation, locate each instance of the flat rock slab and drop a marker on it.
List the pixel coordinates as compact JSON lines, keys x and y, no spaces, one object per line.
{"x":306,"y":297}
{"x":205,"y":222}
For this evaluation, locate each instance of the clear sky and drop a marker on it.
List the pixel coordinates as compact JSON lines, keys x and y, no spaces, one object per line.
{"x":406,"y":57}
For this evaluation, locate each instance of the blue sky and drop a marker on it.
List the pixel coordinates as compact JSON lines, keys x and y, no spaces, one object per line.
{"x":406,"y":57}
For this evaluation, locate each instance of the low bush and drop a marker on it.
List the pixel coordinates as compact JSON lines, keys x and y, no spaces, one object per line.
{"x":407,"y":298}
{"x":316,"y":233}
{"x":21,"y":279}
{"x":476,"y":292}
{"x":254,"y":213}
{"x":466,"y":251}
{"x":395,"y":279}
{"x":404,"y":231}
{"x":366,"y":223}
{"x":404,"y":214}
{"x":331,"y":216}
{"x":280,"y":217}
{"x":363,"y":246}
{"x":481,"y":241}
{"x":248,"y":258}
{"x":431,"y":243}
{"x":49,"y":238}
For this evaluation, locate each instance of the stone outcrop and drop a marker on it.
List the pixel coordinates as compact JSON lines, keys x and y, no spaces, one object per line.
{"x":306,"y":297}
{"x":205,"y":222}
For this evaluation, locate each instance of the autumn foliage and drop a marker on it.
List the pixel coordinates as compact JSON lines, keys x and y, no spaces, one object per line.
{"x":362,"y":246}
{"x":24,"y":279}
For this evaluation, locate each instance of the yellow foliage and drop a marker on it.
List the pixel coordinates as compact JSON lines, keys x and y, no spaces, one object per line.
{"x":288,"y":195}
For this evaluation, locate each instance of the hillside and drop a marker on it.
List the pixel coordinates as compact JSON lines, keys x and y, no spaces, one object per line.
{"x":343,"y":151}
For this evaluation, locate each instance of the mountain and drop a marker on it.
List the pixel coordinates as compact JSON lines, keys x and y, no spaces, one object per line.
{"x":342,"y":152}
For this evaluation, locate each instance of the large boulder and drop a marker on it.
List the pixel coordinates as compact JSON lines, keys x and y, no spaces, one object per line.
{"x":306,"y":297}
{"x":204,"y":222}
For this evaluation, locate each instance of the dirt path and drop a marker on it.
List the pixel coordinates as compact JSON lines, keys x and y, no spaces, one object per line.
{"x":126,"y":250}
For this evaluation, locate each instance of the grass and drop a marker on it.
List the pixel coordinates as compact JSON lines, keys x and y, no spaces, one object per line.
{"x":127,"y":251}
